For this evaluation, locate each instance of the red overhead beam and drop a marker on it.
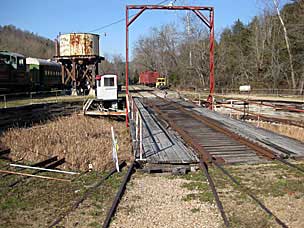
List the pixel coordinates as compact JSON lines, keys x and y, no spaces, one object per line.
{"x":197,"y":10}
{"x":160,"y":7}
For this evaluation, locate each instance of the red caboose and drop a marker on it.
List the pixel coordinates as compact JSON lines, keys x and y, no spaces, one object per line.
{"x":148,"y":78}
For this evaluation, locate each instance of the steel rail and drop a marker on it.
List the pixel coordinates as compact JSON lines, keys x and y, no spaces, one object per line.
{"x":213,"y":161}
{"x":204,"y":154}
{"x":206,"y":158}
{"x":286,"y":108}
{"x":245,"y":190}
{"x":85,"y":195}
{"x":52,"y":165}
{"x":118,"y":196}
{"x":264,"y":117}
{"x":213,"y":124}
{"x":219,"y":204}
{"x":290,"y":164}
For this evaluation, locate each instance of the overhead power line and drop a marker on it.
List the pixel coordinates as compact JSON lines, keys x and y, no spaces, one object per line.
{"x":121,"y":20}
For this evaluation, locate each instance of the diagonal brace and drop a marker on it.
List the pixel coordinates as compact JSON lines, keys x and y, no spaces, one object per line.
{"x":203,"y":18}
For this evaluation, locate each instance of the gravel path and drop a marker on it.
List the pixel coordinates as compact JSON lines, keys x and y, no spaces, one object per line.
{"x":156,"y":201}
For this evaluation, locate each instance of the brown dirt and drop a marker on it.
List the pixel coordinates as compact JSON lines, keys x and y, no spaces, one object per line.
{"x":81,"y":140}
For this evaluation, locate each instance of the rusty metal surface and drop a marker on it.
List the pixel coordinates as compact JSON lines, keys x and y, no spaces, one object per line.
{"x":219,"y":204}
{"x":211,"y":141}
{"x":79,"y":44}
{"x":87,"y":193}
{"x":252,"y":196}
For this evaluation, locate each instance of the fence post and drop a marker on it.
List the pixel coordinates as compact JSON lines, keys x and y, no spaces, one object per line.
{"x":136,"y":132}
{"x":230,"y":114}
{"x":132,"y":107}
{"x":199,"y":99}
{"x":258,"y":125}
{"x":140,"y":139}
{"x":136,"y":124}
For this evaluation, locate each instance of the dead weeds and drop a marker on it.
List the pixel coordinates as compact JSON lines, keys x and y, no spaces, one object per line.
{"x":79,"y":139}
{"x":283,"y":129}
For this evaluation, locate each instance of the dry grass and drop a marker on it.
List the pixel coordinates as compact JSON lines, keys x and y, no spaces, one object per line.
{"x":283,"y":129}
{"x":80,"y":140}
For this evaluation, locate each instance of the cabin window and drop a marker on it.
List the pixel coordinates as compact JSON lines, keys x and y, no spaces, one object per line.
{"x":4,"y":59}
{"x":98,"y":83}
{"x":14,"y":62}
{"x":21,"y":63}
{"x":108,"y":81}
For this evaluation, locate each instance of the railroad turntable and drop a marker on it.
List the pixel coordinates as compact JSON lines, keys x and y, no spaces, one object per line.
{"x":177,"y":134}
{"x":142,"y":156}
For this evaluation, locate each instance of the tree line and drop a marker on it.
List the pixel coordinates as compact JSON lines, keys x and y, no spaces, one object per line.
{"x":253,"y":54}
{"x":24,"y":42}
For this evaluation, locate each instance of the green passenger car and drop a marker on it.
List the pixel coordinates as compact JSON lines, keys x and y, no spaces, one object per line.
{"x":44,"y":74}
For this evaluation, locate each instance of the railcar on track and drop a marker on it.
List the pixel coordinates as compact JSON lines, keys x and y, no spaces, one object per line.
{"x":13,"y":72}
{"x":18,"y":73}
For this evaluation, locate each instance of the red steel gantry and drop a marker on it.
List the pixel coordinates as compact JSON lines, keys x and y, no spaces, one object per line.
{"x":195,"y":9}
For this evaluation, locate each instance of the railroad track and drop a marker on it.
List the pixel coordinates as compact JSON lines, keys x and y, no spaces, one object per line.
{"x":92,"y":189}
{"x":215,"y":146}
{"x":207,"y":137}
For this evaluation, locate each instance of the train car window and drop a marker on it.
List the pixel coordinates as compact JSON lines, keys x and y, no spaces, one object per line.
{"x":5,"y":59}
{"x":108,"y":81}
{"x":21,"y":63}
{"x":98,"y":83}
{"x":14,"y":62}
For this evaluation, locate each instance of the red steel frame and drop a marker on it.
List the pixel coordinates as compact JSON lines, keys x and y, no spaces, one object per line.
{"x":195,"y":9}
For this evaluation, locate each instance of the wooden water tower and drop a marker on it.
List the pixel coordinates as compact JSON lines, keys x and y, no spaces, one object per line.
{"x":79,"y":55}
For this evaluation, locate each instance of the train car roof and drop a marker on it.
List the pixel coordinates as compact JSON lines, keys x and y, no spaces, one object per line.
{"x":11,"y":53}
{"x":41,"y":62}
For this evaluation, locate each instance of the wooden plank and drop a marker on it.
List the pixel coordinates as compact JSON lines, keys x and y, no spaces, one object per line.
{"x":159,"y":145}
{"x":31,"y":175}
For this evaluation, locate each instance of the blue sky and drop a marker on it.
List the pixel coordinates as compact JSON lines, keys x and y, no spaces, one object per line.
{"x":49,"y":17}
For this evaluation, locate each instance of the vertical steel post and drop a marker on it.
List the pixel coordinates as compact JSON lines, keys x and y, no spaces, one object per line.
{"x":136,"y":133}
{"x":136,"y":124}
{"x":127,"y":62}
{"x":211,"y":67}
{"x":132,"y":109}
{"x":140,"y":139}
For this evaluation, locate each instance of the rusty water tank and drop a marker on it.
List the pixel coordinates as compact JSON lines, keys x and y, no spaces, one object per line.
{"x":78,"y":44}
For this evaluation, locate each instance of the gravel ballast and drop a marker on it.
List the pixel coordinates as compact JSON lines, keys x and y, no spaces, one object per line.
{"x":157,"y":201}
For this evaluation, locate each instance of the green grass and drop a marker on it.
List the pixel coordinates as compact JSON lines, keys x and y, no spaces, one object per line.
{"x":37,"y":202}
{"x":95,"y":224}
{"x":269,"y":180}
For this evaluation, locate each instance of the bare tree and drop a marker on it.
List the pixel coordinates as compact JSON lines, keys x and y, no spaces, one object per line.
{"x":276,"y":4}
